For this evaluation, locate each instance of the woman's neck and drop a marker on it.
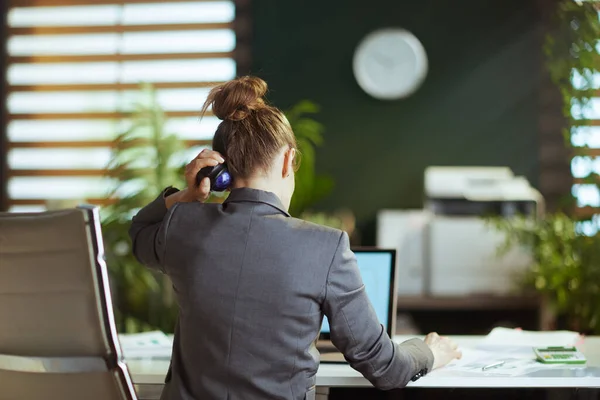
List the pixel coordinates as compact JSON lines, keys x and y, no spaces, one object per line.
{"x":262,"y":183}
{"x":255,"y":183}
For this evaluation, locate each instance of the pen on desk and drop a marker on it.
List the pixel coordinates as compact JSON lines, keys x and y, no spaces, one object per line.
{"x":494,"y":365}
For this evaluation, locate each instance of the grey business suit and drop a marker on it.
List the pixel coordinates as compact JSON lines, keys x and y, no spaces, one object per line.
{"x":252,"y":285}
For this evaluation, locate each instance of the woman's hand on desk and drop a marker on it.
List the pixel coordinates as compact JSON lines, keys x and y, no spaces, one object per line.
{"x":444,"y":350}
{"x":206,"y":158}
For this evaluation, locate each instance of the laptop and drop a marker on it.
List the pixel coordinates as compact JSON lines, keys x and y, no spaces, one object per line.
{"x":378,"y":271}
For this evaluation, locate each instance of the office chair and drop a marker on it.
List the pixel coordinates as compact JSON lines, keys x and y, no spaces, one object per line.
{"x":57,"y":332}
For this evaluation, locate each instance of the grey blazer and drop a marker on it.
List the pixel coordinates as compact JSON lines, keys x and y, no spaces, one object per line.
{"x":252,"y":284}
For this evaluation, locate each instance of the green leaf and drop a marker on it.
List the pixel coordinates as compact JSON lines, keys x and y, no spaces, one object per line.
{"x":566,"y":265}
{"x":140,"y":295}
{"x":310,"y":187}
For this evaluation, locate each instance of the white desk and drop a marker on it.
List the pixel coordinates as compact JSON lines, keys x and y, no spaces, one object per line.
{"x":149,"y":374}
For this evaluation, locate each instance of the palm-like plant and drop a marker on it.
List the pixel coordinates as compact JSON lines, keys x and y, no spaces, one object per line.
{"x":143,"y":164}
{"x":310,"y":187}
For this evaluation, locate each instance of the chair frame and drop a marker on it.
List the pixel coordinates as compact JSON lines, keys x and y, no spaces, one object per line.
{"x":113,"y":361}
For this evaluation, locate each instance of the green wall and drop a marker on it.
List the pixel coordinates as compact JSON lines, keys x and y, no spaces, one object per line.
{"x":478,"y":105}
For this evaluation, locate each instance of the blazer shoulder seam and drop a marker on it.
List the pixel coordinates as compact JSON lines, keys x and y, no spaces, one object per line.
{"x":167,"y":224}
{"x":337,"y":248}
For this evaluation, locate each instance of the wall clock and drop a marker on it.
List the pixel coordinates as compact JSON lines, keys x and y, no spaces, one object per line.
{"x":390,"y":64}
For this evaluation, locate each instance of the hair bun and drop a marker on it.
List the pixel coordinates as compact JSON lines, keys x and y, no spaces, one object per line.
{"x":236,"y":99}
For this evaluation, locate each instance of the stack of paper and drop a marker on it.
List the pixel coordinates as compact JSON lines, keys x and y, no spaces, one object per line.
{"x":146,"y":345}
{"x":516,"y":338}
{"x":509,"y":352}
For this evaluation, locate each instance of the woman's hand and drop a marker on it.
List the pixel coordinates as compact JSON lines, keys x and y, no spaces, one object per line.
{"x":206,"y":158}
{"x":444,"y":350}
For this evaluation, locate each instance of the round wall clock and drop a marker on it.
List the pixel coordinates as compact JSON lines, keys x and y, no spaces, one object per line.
{"x":390,"y":64}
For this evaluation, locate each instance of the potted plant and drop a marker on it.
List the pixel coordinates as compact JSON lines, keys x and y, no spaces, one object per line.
{"x":565,"y":269}
{"x":144,"y":161}
{"x":310,"y":186}
{"x":565,"y":248}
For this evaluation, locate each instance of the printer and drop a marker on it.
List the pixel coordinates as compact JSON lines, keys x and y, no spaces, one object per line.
{"x":447,"y":248}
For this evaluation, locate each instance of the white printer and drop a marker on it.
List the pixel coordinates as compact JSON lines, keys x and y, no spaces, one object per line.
{"x":447,"y":249}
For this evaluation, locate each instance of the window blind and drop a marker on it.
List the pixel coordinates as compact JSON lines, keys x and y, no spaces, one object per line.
{"x":73,"y":72}
{"x":587,"y":139}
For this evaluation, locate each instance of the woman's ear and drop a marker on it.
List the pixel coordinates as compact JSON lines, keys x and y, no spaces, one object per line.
{"x":288,"y":162}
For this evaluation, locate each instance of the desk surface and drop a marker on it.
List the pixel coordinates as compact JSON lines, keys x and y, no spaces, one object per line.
{"x":152,"y":372}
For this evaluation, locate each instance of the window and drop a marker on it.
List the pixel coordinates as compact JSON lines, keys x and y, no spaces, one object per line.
{"x":73,"y":71}
{"x":588,"y":137}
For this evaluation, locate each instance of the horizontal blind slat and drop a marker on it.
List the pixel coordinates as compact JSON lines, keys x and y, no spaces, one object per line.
{"x":69,"y":30}
{"x":168,"y":70}
{"x":88,"y":144}
{"x":52,"y":3}
{"x":589,"y":152}
{"x":67,"y":173}
{"x":582,"y":181}
{"x":36,"y":202}
{"x":99,"y":115}
{"x":107,"y":86}
{"x":591,"y":122}
{"x":586,"y":212}
{"x":115,"y":57}
{"x":57,"y":172}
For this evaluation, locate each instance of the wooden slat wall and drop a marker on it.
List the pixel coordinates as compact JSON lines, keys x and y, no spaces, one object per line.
{"x":104,"y":87}
{"x":586,"y":161}
{"x":28,"y":111}
{"x":69,"y":30}
{"x":85,"y":144}
{"x":53,"y":3}
{"x":589,"y":204}
{"x":562,"y":170}
{"x":555,"y":178}
{"x":115,"y":57}
{"x":3,"y":92}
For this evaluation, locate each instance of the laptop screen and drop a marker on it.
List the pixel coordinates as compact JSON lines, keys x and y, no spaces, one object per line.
{"x":377,"y":271}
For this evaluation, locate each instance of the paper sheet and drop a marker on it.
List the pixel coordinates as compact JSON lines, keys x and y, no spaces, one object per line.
{"x":514,"y":338}
{"x":146,"y":345}
{"x":514,"y":363}
{"x":512,"y":347}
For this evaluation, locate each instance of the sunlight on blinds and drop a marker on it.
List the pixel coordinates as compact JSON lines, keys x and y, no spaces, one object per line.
{"x":587,"y":195}
{"x":73,"y":74}
{"x":41,"y":159}
{"x":101,"y":129}
{"x":585,"y":166}
{"x":101,"y":101}
{"x":126,"y":43}
{"x":128,"y":14}
{"x":586,"y":136}
{"x":128,"y":72}
{"x":591,"y":111}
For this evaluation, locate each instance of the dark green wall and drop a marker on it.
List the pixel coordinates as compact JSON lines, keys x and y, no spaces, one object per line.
{"x":478,"y":105}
